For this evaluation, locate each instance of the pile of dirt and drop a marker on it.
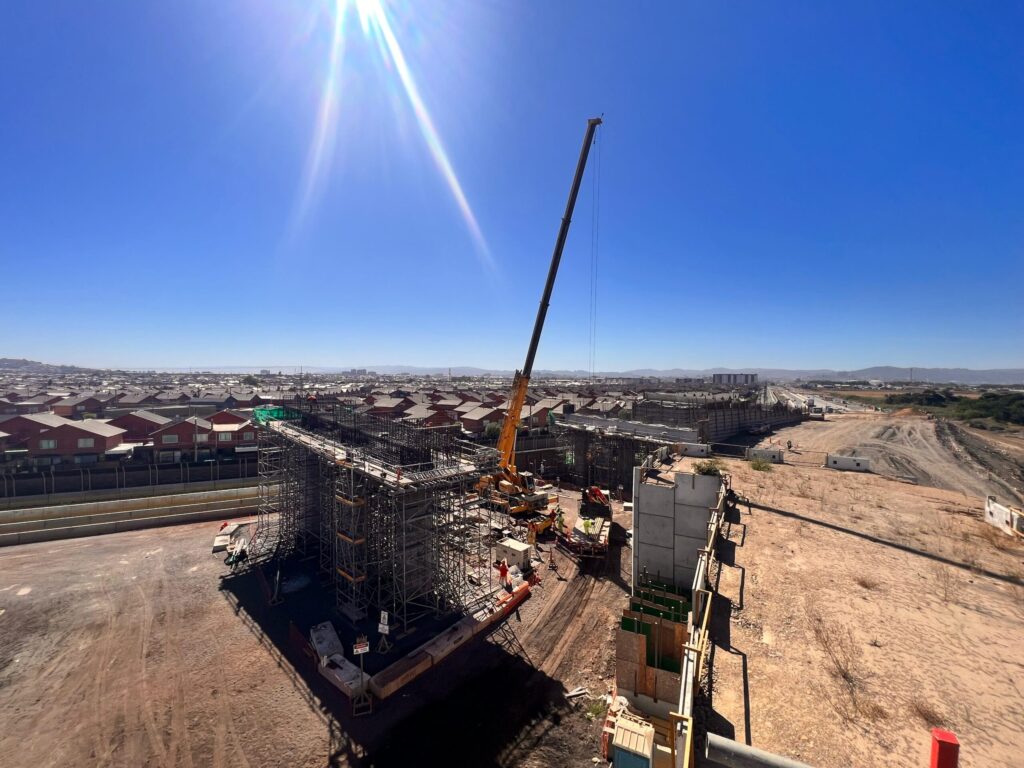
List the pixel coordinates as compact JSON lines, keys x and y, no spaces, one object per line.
{"x":905,"y":412}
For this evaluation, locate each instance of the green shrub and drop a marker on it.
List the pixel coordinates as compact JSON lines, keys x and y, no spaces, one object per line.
{"x":760,"y":465}
{"x":708,"y":467}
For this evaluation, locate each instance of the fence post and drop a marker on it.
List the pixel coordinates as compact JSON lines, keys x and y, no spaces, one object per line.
{"x":945,"y":749}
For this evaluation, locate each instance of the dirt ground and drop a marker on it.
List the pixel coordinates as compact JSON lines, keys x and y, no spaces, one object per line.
{"x":123,"y":650}
{"x":856,"y":611}
{"x":880,"y":394}
{"x":930,"y":451}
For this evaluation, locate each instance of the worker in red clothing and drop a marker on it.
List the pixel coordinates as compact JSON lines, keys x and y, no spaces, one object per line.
{"x":506,"y":582}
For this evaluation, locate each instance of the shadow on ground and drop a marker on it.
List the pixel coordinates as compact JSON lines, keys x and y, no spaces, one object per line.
{"x":484,"y":705}
{"x":1008,"y":578}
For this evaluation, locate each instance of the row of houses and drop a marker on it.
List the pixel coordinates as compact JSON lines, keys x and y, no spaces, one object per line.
{"x":50,"y":428}
{"x":96,"y":404}
{"x":475,"y":416}
{"x":47,"y":439}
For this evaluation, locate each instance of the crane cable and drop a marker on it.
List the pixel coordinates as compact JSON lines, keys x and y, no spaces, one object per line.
{"x":595,"y":238}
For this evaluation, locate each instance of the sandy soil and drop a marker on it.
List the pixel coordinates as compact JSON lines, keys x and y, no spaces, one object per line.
{"x":122,"y":650}
{"x":920,"y":603}
{"x":1001,"y":453}
{"x":908,"y":445}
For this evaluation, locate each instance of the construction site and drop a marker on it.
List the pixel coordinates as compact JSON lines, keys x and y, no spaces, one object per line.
{"x":713,"y":579}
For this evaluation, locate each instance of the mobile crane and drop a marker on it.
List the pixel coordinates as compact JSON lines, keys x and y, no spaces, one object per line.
{"x":519,"y":486}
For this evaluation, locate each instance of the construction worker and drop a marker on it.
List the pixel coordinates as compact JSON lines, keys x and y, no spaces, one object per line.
{"x":506,"y":582}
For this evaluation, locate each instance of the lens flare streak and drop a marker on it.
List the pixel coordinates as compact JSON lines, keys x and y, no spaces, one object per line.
{"x":376,"y":18}
{"x":322,"y":148}
{"x":375,"y":24}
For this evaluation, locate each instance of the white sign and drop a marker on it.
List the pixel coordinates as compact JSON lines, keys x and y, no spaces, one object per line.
{"x":383,"y":617}
{"x":383,"y":628}
{"x":360,"y":648}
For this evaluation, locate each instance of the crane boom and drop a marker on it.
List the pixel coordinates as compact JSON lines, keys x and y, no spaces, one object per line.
{"x":521,"y":380}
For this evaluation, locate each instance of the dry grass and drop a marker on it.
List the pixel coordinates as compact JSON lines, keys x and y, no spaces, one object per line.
{"x":866,"y":582}
{"x":996,"y":538}
{"x":946,"y":581}
{"x":840,"y":648}
{"x":928,"y":713}
{"x":854,"y":702}
{"x":967,"y":552}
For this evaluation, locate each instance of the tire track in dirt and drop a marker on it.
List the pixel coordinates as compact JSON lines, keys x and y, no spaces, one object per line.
{"x":179,"y":742}
{"x":898,"y":446}
{"x":103,"y":652}
{"x":560,"y":624}
{"x":156,"y":743}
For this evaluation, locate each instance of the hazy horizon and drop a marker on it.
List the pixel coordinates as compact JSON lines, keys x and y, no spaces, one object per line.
{"x":206,"y":184}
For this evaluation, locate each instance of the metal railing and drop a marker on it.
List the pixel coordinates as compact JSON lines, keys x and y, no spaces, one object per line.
{"x":695,"y":651}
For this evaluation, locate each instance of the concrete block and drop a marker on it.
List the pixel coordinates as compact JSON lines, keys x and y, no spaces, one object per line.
{"x":773,"y":455}
{"x":451,"y":639}
{"x":849,"y":463}
{"x":403,"y":671}
{"x":344,"y":675}
{"x":693,"y":449}
{"x":325,"y":641}
{"x":999,"y":515}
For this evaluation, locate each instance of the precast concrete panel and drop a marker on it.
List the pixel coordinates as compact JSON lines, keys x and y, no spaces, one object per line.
{"x":657,"y":531}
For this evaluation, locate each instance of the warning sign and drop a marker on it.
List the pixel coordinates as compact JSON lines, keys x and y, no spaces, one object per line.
{"x":383,"y":628}
{"x":362,"y":645}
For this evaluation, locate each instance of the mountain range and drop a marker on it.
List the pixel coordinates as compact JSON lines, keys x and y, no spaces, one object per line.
{"x":997,"y":376}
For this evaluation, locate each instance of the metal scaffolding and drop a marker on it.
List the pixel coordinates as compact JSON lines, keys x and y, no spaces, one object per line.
{"x":387,"y":509}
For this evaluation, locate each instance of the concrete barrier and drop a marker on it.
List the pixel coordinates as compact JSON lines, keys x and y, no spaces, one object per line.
{"x":1007,"y":519}
{"x":23,"y":526}
{"x":849,"y":463}
{"x":774,"y":455}
{"x":692,"y":449}
{"x":124,"y":493}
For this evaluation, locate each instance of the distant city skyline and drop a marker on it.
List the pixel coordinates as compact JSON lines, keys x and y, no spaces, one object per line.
{"x":200,"y":185}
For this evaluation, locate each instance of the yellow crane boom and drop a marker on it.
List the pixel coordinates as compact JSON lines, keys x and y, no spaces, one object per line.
{"x":521,"y":380}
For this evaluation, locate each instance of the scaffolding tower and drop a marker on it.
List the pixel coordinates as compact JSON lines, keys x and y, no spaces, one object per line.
{"x":387,"y":508}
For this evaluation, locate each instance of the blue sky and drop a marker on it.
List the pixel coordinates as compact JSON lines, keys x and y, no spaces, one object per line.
{"x":782,"y":184}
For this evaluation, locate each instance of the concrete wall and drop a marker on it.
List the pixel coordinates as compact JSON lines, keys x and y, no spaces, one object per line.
{"x":23,"y":526}
{"x":670,"y":524}
{"x":774,"y":455}
{"x":851,"y":463}
{"x":692,"y":449}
